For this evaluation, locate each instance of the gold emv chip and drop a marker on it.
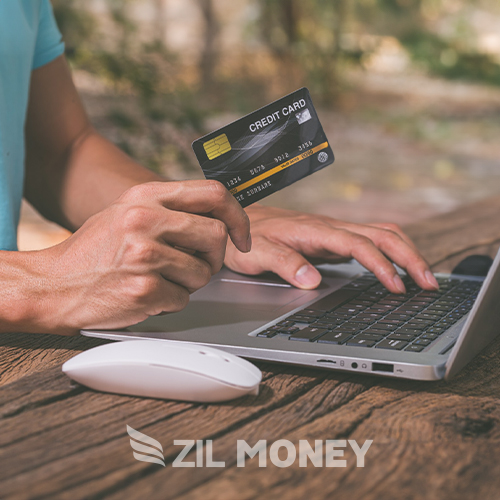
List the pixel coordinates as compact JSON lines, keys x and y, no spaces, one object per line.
{"x":217,"y":146}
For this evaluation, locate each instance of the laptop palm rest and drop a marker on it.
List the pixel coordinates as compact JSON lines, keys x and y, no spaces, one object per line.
{"x":241,"y":306}
{"x":231,"y":305}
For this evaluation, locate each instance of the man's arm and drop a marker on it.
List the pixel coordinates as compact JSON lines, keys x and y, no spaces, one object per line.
{"x":71,"y":171}
{"x":127,"y":260}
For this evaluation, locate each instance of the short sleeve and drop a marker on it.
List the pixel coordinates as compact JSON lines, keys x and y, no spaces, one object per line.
{"x":49,"y":44}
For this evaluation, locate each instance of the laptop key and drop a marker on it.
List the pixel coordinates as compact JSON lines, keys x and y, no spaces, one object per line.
{"x":441,"y":307}
{"x":301,"y":319}
{"x":374,"y":316}
{"x":289,"y":330}
{"x":429,"y":336}
{"x":412,"y":331}
{"x":351,"y":311}
{"x":366,"y":320}
{"x":378,"y":307}
{"x":414,"y":348}
{"x":421,"y":300}
{"x":391,"y":302}
{"x":393,"y":344}
{"x":267,"y":334}
{"x":348,"y":329}
{"x":410,"y":307}
{"x":308,"y":334}
{"x":391,"y":325}
{"x":310,"y":312}
{"x":401,"y":336}
{"x":436,"y":329}
{"x":326,"y":326}
{"x":446,"y":322}
{"x":424,"y":315}
{"x":423,"y":342}
{"x":361,"y":342}
{"x":285,"y":323}
{"x":377,"y":331}
{"x":397,"y":317}
{"x":333,"y":300}
{"x":334,"y":337}
{"x":330,"y":321}
{"x":369,"y":336}
{"x":418,"y":325}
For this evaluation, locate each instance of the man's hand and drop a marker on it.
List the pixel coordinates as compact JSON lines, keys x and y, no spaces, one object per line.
{"x":141,"y":256}
{"x":285,"y":242}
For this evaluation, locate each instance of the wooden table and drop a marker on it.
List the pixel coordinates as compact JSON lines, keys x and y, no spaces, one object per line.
{"x":430,"y":440}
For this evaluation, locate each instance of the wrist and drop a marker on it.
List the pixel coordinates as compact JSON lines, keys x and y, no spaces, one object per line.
{"x":27,"y":295}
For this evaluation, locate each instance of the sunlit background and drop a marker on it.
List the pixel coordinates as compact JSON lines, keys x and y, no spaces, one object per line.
{"x":408,"y":92}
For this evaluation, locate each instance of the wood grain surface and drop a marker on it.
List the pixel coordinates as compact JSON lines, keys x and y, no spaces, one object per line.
{"x":430,"y":440}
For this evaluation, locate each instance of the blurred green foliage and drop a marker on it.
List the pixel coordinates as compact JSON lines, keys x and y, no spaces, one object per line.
{"x":313,"y":43}
{"x":305,"y":39}
{"x":451,"y":57}
{"x":312,"y":35}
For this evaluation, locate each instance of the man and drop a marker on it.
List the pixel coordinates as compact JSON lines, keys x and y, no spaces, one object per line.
{"x":140,"y":245}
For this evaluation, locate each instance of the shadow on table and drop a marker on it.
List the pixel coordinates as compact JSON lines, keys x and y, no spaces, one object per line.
{"x":48,"y":341}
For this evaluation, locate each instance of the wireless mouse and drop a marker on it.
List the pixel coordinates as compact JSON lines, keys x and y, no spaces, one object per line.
{"x":165,"y":370}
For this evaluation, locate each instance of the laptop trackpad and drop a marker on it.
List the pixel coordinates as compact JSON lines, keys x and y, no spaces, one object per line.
{"x":229,"y":302}
{"x":249,"y":294}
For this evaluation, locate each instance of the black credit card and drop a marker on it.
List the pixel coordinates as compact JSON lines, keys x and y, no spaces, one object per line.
{"x":266,"y":150}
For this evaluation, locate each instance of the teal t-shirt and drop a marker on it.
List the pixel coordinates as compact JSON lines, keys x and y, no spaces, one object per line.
{"x":29,"y":38}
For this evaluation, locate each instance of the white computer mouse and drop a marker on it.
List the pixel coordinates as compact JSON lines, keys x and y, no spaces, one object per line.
{"x":166,"y":370}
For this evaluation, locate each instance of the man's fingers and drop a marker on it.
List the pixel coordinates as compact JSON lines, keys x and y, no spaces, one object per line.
{"x":367,"y":254}
{"x":287,"y":263}
{"x":171,"y":297}
{"x":401,"y":250}
{"x":200,"y":197}
{"x":186,"y":270}
{"x":408,"y":258}
{"x":194,"y":233}
{"x":395,"y":229}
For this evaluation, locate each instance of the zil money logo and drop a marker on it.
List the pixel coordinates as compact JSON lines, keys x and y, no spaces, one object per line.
{"x":146,"y":446}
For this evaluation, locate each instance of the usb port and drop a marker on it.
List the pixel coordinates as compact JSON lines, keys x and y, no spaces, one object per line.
{"x":382,"y":367}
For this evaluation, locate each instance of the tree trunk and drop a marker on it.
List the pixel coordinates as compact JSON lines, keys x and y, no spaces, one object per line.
{"x":208,"y":57}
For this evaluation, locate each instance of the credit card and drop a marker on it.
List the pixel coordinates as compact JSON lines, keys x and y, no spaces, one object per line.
{"x":266,"y":150}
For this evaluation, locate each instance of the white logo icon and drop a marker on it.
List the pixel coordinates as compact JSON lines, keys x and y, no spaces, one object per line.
{"x":155,"y":447}
{"x":303,"y":116}
{"x":322,"y":157}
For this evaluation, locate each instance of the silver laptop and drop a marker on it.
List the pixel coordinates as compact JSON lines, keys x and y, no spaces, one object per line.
{"x":351,"y":322}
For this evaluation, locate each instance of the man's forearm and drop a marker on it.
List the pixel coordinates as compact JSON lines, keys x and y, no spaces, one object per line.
{"x":24,"y":292}
{"x":92,"y":175}
{"x":96,"y":174}
{"x":71,"y":171}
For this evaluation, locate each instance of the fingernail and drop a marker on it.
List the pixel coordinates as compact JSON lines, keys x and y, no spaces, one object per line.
{"x":398,"y":283}
{"x":249,"y":242}
{"x":307,"y":275}
{"x":431,"y":280}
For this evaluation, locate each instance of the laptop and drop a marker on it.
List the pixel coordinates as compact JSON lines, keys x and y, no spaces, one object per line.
{"x":350,"y":323}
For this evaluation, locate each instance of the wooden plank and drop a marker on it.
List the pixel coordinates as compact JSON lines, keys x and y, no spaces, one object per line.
{"x":380,"y":409}
{"x":430,"y":441}
{"x":419,"y":451}
{"x":23,"y":353}
{"x":94,"y":427}
{"x":54,"y":443}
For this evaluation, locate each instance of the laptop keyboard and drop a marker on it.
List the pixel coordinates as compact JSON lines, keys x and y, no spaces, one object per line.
{"x":364,"y":313}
